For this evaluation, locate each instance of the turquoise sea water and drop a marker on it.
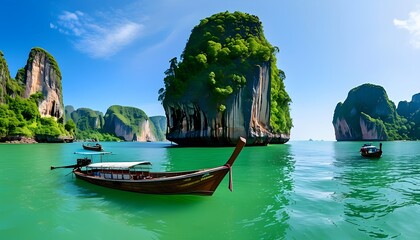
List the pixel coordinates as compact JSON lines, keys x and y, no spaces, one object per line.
{"x":299,"y":190}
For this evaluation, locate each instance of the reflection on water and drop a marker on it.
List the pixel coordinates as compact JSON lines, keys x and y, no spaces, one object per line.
{"x":268,"y":177}
{"x":300,"y":190}
{"x":373,"y":189}
{"x":145,"y":213}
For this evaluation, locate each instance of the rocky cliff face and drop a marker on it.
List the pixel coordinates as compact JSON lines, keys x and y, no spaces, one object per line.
{"x":364,"y":115}
{"x":146,"y":133}
{"x":85,"y":118}
{"x":4,"y":76}
{"x":159,"y":123}
{"x":369,"y":130}
{"x":226,"y":86}
{"x":130,"y":123}
{"x":43,"y":75}
{"x":411,"y":112}
{"x":408,"y":109}
{"x":247,"y":114}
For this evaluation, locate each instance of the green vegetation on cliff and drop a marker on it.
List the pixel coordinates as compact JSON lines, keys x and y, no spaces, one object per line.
{"x":411,"y":112}
{"x":222,"y":51}
{"x":4,"y":77}
{"x":20,"y":117}
{"x":159,"y":123}
{"x":87,"y":124}
{"x":51,"y":59}
{"x":8,"y":86}
{"x":126,"y":122}
{"x":130,"y":116}
{"x":118,"y":120}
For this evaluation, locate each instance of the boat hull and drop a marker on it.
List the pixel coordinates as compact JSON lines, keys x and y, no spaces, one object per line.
{"x":372,"y":155}
{"x":93,"y":148}
{"x":203,"y":182}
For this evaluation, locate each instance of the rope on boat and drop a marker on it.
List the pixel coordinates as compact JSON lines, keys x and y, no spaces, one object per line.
{"x":230,"y":177}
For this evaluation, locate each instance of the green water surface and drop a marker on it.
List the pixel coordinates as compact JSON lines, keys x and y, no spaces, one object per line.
{"x":299,"y":190}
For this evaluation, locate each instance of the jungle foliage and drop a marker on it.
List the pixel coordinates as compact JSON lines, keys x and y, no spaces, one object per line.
{"x":20,"y":117}
{"x":222,"y":51}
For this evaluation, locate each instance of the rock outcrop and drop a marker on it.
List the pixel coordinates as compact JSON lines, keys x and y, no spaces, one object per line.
{"x":411,"y":112}
{"x":4,"y":77}
{"x":126,"y":123}
{"x":130,"y":123}
{"x":409,"y":109}
{"x":43,"y":75}
{"x":159,"y":123}
{"x":364,"y":115}
{"x":247,"y":114}
{"x":227,"y":86}
{"x":86,"y":118}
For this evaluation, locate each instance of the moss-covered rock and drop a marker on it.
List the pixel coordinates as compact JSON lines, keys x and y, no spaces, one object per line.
{"x":227,"y":85}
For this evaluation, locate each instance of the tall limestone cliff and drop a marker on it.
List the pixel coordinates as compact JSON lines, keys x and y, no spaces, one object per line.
{"x":366,"y":114}
{"x":8,"y":86}
{"x":85,"y":118}
{"x":411,"y":112}
{"x":130,"y":123}
{"x":159,"y":123}
{"x":227,"y":86}
{"x":67,"y":112}
{"x":42,"y":74}
{"x":4,"y":78}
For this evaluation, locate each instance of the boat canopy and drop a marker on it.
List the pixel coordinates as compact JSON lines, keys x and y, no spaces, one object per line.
{"x":117,"y":165}
{"x":92,"y":153}
{"x":369,"y":147}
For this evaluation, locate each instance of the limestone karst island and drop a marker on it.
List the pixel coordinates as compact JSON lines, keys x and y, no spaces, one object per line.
{"x":226,"y":85}
{"x":368,"y":114}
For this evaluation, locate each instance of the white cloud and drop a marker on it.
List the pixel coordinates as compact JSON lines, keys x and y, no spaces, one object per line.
{"x":99,"y":38}
{"x":412,"y":25}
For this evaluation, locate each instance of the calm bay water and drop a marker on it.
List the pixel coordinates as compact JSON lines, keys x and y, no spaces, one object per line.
{"x":299,"y":190}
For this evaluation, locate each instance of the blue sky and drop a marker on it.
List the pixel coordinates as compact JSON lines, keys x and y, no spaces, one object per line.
{"x":116,"y":52}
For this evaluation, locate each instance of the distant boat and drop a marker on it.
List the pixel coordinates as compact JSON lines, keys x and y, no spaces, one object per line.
{"x":136,"y":177}
{"x":370,"y":151}
{"x":93,"y":147}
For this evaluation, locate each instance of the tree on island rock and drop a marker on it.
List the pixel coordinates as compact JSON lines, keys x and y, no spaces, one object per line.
{"x":226,"y":85}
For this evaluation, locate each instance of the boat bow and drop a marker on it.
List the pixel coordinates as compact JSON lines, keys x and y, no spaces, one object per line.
{"x":241,"y":143}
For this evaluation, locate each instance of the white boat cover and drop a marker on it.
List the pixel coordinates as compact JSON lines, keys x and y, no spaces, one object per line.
{"x":93,"y":153}
{"x":117,"y":165}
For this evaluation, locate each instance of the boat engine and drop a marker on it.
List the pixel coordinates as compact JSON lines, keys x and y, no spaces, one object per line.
{"x":81,"y":162}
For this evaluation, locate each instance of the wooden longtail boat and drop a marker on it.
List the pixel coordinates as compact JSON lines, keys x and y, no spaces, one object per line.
{"x":134,"y":177}
{"x":93,"y":147}
{"x":370,"y":151}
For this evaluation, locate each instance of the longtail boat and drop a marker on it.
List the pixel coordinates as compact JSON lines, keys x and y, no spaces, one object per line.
{"x":370,"y":151}
{"x":136,"y":177}
{"x":93,"y":147}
